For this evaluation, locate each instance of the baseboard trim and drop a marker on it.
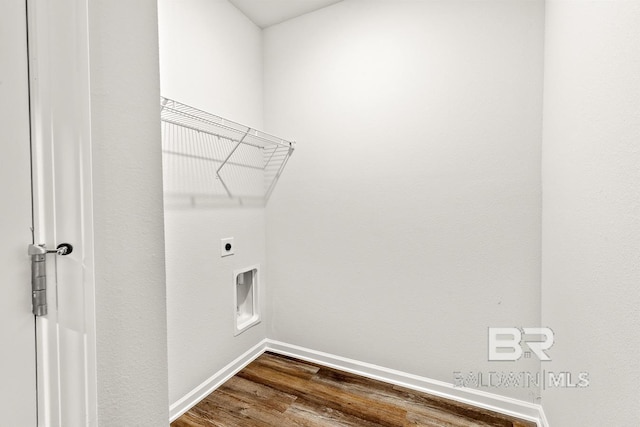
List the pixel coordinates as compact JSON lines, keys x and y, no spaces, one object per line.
{"x":494,"y":402}
{"x":215,"y":381}
{"x":479,"y":398}
{"x":543,"y":418}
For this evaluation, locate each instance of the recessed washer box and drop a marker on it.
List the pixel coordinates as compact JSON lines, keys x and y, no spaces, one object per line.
{"x":246,"y":313}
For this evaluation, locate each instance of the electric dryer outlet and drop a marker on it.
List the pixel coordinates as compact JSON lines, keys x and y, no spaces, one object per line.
{"x":227,"y":246}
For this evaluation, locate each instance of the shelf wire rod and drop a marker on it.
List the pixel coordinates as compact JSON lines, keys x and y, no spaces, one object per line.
{"x":202,"y":167}
{"x":270,"y":157}
{"x":275,"y":160}
{"x":210,"y":175}
{"x":207,"y":167}
{"x":175,"y":172}
{"x":242,"y":179}
{"x":227,"y":159}
{"x":237,"y":174}
{"x":189,"y":139}
{"x":183,"y":137}
{"x":277,"y":177}
{"x":184,"y":171}
{"x":182,"y":178}
{"x":220,"y":151}
{"x":197,"y":129}
{"x":209,"y":152}
{"x":194,"y":167}
{"x":248,"y":156}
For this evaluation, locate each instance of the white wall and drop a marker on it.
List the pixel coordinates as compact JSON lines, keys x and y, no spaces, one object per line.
{"x":408,"y":219}
{"x":591,"y":221}
{"x":128,"y":226}
{"x":210,"y":58}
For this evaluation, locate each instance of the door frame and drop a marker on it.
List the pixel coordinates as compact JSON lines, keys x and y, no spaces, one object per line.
{"x":58,"y":56}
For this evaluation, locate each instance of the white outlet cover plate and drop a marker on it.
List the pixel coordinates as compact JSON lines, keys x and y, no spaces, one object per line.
{"x":223,"y":244}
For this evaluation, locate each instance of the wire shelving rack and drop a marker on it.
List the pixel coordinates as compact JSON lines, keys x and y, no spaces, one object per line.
{"x":208,"y":157}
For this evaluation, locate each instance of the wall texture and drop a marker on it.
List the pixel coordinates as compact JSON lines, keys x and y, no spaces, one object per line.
{"x":408,"y":219}
{"x":591,"y":221}
{"x":128,"y":226}
{"x":210,"y":58}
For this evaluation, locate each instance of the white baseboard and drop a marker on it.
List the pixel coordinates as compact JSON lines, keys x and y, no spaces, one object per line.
{"x":479,"y":398}
{"x":215,"y":381}
{"x":543,"y":419}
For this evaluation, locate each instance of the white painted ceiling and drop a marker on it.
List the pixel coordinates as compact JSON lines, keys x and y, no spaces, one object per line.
{"x":265,"y":13}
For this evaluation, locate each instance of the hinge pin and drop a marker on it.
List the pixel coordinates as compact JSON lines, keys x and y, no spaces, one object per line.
{"x":38,"y":254}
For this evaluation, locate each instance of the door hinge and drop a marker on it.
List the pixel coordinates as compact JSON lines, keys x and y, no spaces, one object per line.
{"x":38,"y":254}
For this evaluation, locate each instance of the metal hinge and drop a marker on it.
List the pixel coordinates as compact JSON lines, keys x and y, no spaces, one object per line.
{"x":38,"y":254}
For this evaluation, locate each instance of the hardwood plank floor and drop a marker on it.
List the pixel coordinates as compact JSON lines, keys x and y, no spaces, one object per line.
{"x":281,"y":391}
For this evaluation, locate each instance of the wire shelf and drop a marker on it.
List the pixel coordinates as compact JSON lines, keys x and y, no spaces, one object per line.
{"x":206,"y":156}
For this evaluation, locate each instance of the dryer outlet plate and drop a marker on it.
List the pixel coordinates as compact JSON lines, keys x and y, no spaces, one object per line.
{"x":227,"y":246}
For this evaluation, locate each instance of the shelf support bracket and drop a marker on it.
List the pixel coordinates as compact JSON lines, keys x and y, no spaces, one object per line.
{"x":227,"y":159}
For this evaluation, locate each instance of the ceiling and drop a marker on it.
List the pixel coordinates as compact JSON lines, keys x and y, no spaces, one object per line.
{"x":265,"y":13}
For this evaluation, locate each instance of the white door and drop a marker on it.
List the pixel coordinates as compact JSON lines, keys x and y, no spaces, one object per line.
{"x":62,"y":209}
{"x":17,"y":325}
{"x":47,"y":364}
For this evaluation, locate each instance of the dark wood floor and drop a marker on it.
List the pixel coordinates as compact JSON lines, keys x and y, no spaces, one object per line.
{"x":280,"y":391}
